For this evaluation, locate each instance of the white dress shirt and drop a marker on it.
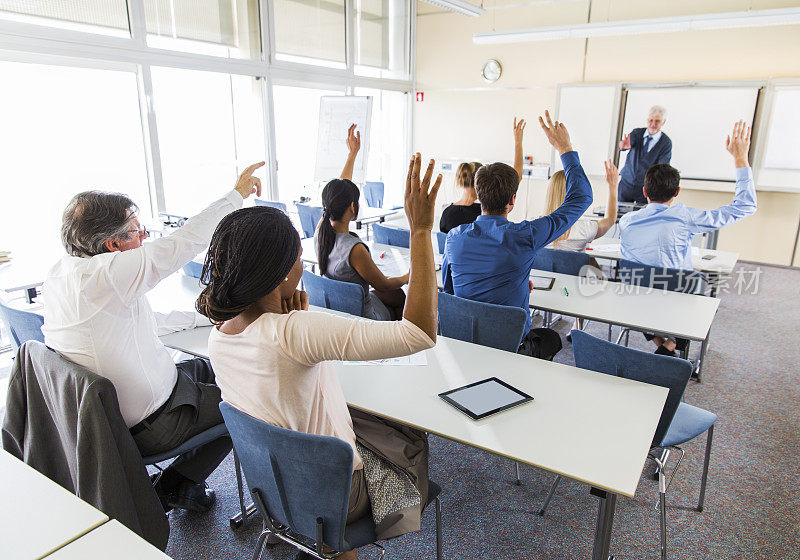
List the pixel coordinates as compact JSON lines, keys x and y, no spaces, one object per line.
{"x":654,"y":138}
{"x":97,"y":315}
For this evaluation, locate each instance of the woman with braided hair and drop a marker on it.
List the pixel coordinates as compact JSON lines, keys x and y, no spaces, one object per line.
{"x":270,"y":353}
{"x":341,"y":253}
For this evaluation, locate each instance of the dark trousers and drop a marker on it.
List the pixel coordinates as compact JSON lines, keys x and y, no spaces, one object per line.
{"x":631,"y":193}
{"x":541,"y":343}
{"x":680,"y":343}
{"x":192,"y":407}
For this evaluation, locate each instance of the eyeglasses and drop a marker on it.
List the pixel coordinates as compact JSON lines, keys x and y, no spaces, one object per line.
{"x":141,"y":232}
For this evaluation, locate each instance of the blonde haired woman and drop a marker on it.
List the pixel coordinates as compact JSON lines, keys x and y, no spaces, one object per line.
{"x":584,"y":231}
{"x":466,"y":209}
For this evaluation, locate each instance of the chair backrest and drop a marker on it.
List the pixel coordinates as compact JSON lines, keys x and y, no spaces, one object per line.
{"x":334,"y":294}
{"x":193,"y":269}
{"x":298,"y":477}
{"x":22,"y":325}
{"x":373,"y":192}
{"x":441,"y":238}
{"x":391,"y":236}
{"x":665,"y":371}
{"x":562,"y":262}
{"x":309,"y":218}
{"x":271,"y":203}
{"x":487,"y":324}
{"x":671,"y":279}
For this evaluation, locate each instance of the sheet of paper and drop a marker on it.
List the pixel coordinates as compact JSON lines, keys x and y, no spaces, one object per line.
{"x":607,"y":248}
{"x":418,"y":359}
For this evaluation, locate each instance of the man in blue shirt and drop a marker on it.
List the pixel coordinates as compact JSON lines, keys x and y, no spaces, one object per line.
{"x":660,"y":234}
{"x":490,"y":259}
{"x":648,"y":146}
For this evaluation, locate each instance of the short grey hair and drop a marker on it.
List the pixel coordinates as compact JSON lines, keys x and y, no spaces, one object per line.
{"x":93,"y":217}
{"x":657,"y":110}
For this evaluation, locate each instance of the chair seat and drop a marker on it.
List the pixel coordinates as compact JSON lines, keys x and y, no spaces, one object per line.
{"x":362,"y":531}
{"x":192,"y":443}
{"x":688,"y":423}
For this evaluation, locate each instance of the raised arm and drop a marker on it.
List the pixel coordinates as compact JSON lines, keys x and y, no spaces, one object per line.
{"x":579,"y":191}
{"x":136,"y":271}
{"x":612,"y":180}
{"x":362,"y":262}
{"x":744,"y":199}
{"x":519,"y":129}
{"x":353,"y":146}
{"x":625,"y":143}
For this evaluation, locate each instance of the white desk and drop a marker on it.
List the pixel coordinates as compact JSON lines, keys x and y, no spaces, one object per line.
{"x":110,"y":540}
{"x":25,"y":273}
{"x":720,"y":262}
{"x":368,"y":215}
{"x":38,"y":516}
{"x":588,"y":426}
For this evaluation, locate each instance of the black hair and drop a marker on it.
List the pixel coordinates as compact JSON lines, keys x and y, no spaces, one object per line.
{"x":337,"y":196}
{"x":661,"y":182}
{"x":496,"y":184}
{"x":251,"y":253}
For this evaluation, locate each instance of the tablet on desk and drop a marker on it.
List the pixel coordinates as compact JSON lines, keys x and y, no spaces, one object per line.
{"x":484,"y":398}
{"x":542,"y":282}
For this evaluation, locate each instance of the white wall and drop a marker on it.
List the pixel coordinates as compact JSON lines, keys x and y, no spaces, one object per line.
{"x":463,"y":118}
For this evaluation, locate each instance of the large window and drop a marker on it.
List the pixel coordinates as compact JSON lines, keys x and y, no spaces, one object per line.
{"x":210,"y":127}
{"x":227,"y":28}
{"x":382,"y":38}
{"x":388,"y":150}
{"x":296,"y":124}
{"x":64,"y":130}
{"x":109,"y":17}
{"x":310,"y":31}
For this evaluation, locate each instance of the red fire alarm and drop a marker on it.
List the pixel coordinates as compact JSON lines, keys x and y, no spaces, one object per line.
{"x":420,"y":96}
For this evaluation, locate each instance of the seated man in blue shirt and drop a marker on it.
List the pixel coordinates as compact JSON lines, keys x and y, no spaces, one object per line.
{"x":490,"y":259}
{"x":660,"y":234}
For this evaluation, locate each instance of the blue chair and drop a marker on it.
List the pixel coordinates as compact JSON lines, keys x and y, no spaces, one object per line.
{"x":301,"y":486}
{"x":441,"y":238}
{"x":22,"y":325}
{"x":660,"y":278}
{"x":561,"y":262}
{"x":334,"y":294}
{"x":487,"y":324}
{"x":391,"y":236}
{"x":193,"y":269}
{"x":679,"y":422}
{"x":373,"y":193}
{"x":309,"y":218}
{"x":271,"y":203}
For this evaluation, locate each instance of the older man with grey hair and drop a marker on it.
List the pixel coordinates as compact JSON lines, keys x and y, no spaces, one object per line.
{"x":96,"y":314}
{"x":648,"y":146}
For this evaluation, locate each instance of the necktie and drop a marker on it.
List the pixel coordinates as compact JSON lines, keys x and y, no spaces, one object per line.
{"x":647,"y":140}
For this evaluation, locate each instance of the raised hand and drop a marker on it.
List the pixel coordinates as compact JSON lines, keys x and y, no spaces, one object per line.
{"x":519,"y":128}
{"x":246,"y":184}
{"x":353,"y":139}
{"x":298,"y":302}
{"x":738,"y":144}
{"x":419,"y":201}
{"x":556,"y":133}
{"x":612,"y":174}
{"x":625,"y":143}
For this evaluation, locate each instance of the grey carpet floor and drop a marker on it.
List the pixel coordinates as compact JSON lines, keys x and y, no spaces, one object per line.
{"x":752,"y":505}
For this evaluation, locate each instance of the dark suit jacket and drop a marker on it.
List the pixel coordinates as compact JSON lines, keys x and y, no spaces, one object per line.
{"x":639,"y":161}
{"x":64,"y":421}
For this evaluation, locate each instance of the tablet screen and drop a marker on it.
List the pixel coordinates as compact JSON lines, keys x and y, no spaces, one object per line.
{"x":481,"y":399}
{"x":542,"y":282}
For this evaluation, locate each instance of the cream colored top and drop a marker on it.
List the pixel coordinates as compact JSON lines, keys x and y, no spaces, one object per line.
{"x":275,"y":370}
{"x":581,"y":234}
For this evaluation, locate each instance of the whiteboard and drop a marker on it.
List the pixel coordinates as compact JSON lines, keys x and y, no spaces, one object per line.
{"x":336,"y":114}
{"x":590,"y":114}
{"x":783,"y":137}
{"x":698,"y":121}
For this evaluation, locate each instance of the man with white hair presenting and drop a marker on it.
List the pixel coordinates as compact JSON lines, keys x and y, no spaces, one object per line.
{"x":648,"y":146}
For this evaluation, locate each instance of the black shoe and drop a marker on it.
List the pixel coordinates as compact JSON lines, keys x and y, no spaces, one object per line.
{"x":192,"y":497}
{"x":303,"y":556}
{"x":664,"y":352}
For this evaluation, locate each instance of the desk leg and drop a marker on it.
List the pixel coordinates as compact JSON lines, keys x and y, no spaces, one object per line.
{"x":605,"y":521}
{"x":703,"y":350}
{"x":713,"y":280}
{"x":30,"y":294}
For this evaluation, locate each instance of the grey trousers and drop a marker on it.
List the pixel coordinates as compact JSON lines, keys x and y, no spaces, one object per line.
{"x":192,"y":408}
